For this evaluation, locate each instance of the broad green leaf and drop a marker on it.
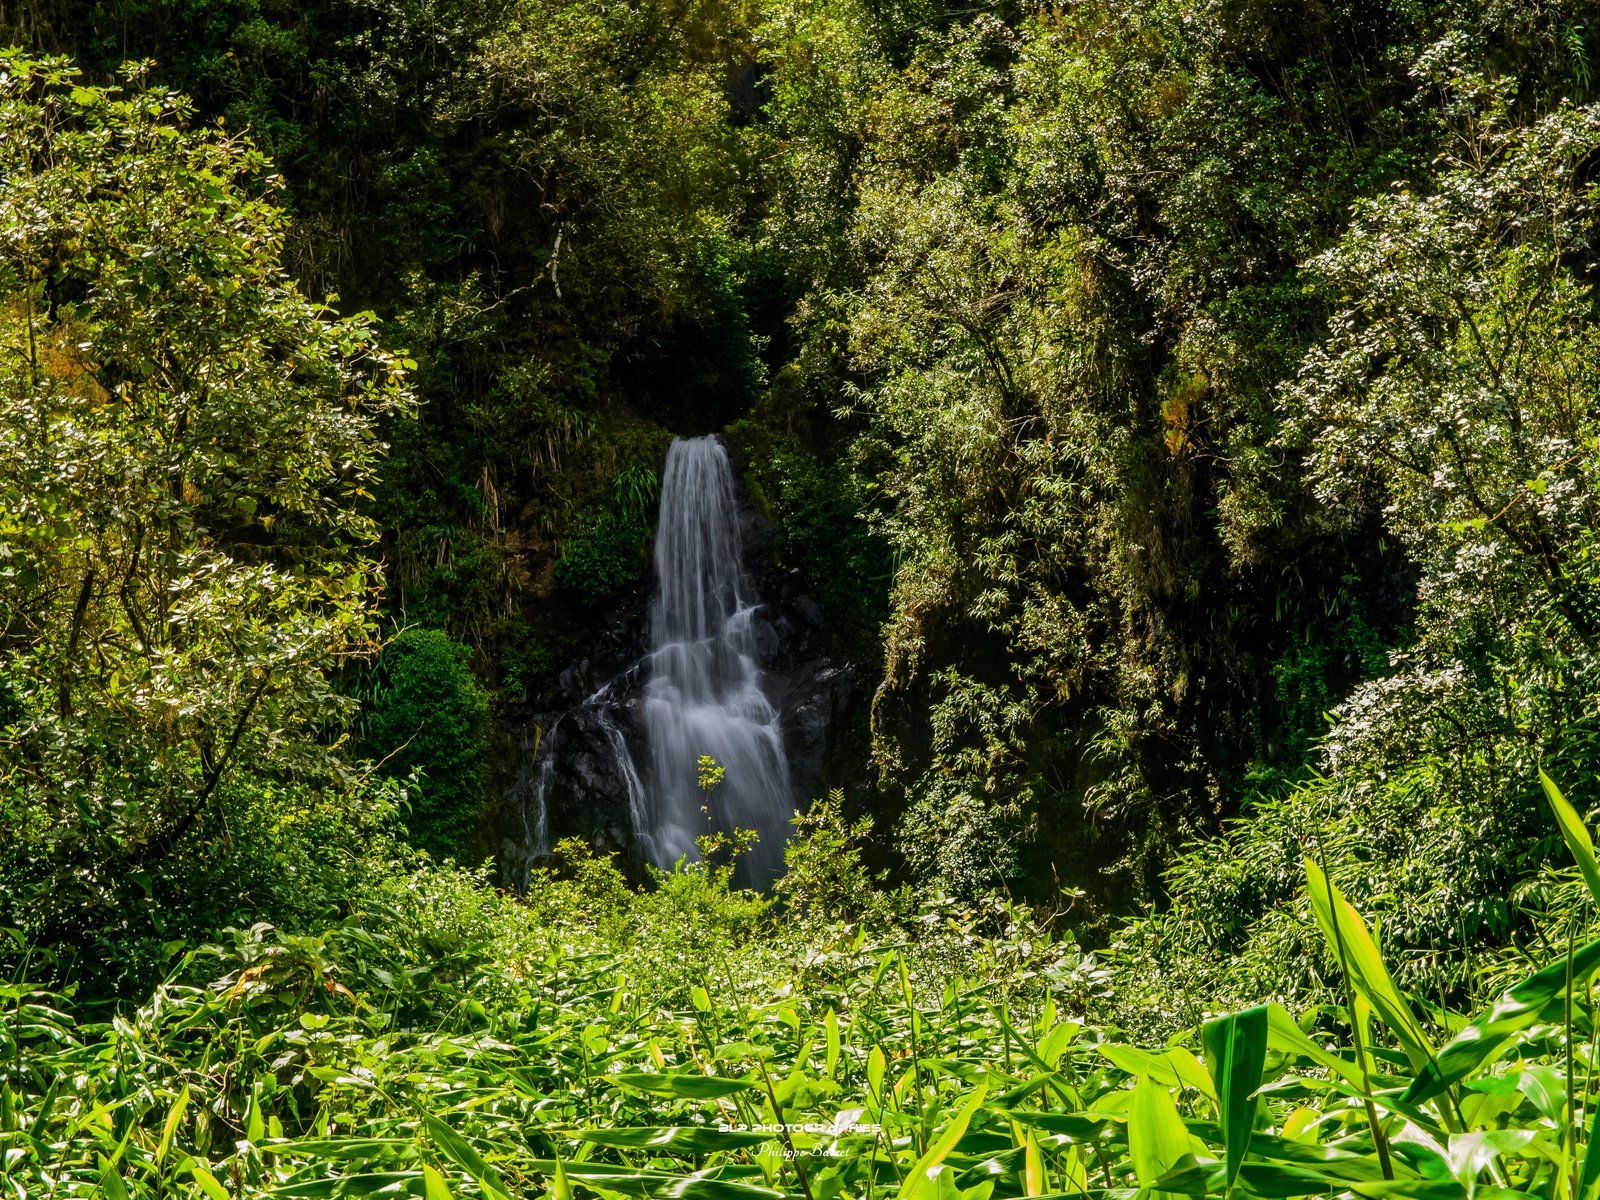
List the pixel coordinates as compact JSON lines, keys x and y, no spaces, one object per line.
{"x":434,"y":1186}
{"x":1174,"y":1067}
{"x":1033,"y":1176}
{"x":1262,"y":1179}
{"x":458,"y":1149}
{"x":111,"y":1185}
{"x":1516,"y":1010}
{"x":170,"y":1126}
{"x":353,"y":1148}
{"x":255,"y":1127}
{"x":877,"y":1063}
{"x":1054,"y":1044}
{"x":1574,"y":834}
{"x":1357,"y":953}
{"x":209,"y":1184}
{"x":1286,"y":1037}
{"x":1236,"y":1049}
{"x":1074,"y":1127}
{"x":685,"y":1084}
{"x":1157,"y":1137}
{"x":702,"y":1187}
{"x":1471,"y":1153}
{"x":365,"y":1184}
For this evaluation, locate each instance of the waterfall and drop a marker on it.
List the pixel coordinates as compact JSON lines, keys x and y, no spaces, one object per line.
{"x":704,"y":694}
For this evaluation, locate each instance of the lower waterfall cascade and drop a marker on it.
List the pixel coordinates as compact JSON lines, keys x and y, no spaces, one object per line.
{"x":704,"y":692}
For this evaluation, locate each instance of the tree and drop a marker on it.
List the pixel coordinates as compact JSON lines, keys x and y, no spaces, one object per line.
{"x":1457,"y":381}
{"x":185,"y":442}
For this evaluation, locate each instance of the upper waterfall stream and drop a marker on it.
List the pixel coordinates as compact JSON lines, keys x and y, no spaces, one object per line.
{"x":704,"y":693}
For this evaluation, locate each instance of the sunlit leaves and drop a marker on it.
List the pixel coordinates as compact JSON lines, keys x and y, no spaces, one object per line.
{"x":184,"y":441}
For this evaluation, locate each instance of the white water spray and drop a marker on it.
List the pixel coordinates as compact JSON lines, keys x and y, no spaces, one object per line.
{"x":704,"y":693}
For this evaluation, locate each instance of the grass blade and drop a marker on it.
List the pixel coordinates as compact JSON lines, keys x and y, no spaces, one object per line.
{"x":1574,"y":834}
{"x":1236,"y":1050}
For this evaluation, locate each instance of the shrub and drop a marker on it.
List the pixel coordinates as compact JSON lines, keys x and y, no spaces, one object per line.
{"x":429,"y":717}
{"x":612,"y":550}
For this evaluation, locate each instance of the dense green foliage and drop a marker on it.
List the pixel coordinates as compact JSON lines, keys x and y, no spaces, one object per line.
{"x":446,"y":1040}
{"x":428,"y":720}
{"x":185,"y":442}
{"x":1185,"y":414}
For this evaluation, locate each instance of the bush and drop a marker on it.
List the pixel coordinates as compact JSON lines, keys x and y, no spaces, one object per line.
{"x":287,"y":854}
{"x":611,"y":552}
{"x":429,"y":717}
{"x":604,"y":557}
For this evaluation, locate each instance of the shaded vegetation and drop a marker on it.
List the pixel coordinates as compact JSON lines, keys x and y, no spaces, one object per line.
{"x":1185,"y":415}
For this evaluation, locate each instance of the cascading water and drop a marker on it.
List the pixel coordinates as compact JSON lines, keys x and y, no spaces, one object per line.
{"x":704,"y":694}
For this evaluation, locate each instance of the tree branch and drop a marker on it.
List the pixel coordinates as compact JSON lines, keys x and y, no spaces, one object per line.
{"x":163,"y":845}
{"x":85,"y":594}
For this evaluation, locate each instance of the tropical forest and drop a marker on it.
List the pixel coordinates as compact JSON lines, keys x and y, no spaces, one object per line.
{"x":799,"y":599}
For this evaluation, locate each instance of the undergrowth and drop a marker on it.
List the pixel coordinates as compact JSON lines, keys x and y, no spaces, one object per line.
{"x":694,"y":1041}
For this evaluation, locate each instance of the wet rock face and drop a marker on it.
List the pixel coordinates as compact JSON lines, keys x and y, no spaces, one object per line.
{"x":617,"y":643}
{"x":814,"y":708}
{"x":585,"y":784}
{"x":589,"y":794}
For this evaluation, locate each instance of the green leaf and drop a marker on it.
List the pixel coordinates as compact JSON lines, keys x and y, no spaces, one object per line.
{"x":1236,"y":1050}
{"x":1262,"y":1179}
{"x":1286,"y":1037}
{"x":347,"y":1148}
{"x":1157,"y":1137}
{"x":684,"y":1084}
{"x":111,"y":1185}
{"x":830,"y":1025}
{"x":1033,"y":1173}
{"x":209,"y":1184}
{"x":459,"y":1150}
{"x":1574,"y":834}
{"x":877,"y":1063}
{"x":1358,"y":955}
{"x":1175,"y":1067}
{"x":1472,"y":1153}
{"x":700,"y":1187}
{"x":675,"y":1139}
{"x":1071,"y":1127}
{"x":922,"y":1182}
{"x":170,"y":1127}
{"x":620,"y":1180}
{"x":434,"y":1186}
{"x":560,"y":1189}
{"x":366,"y":1184}
{"x":1517,"y":1009}
{"x":1589,"y":1177}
